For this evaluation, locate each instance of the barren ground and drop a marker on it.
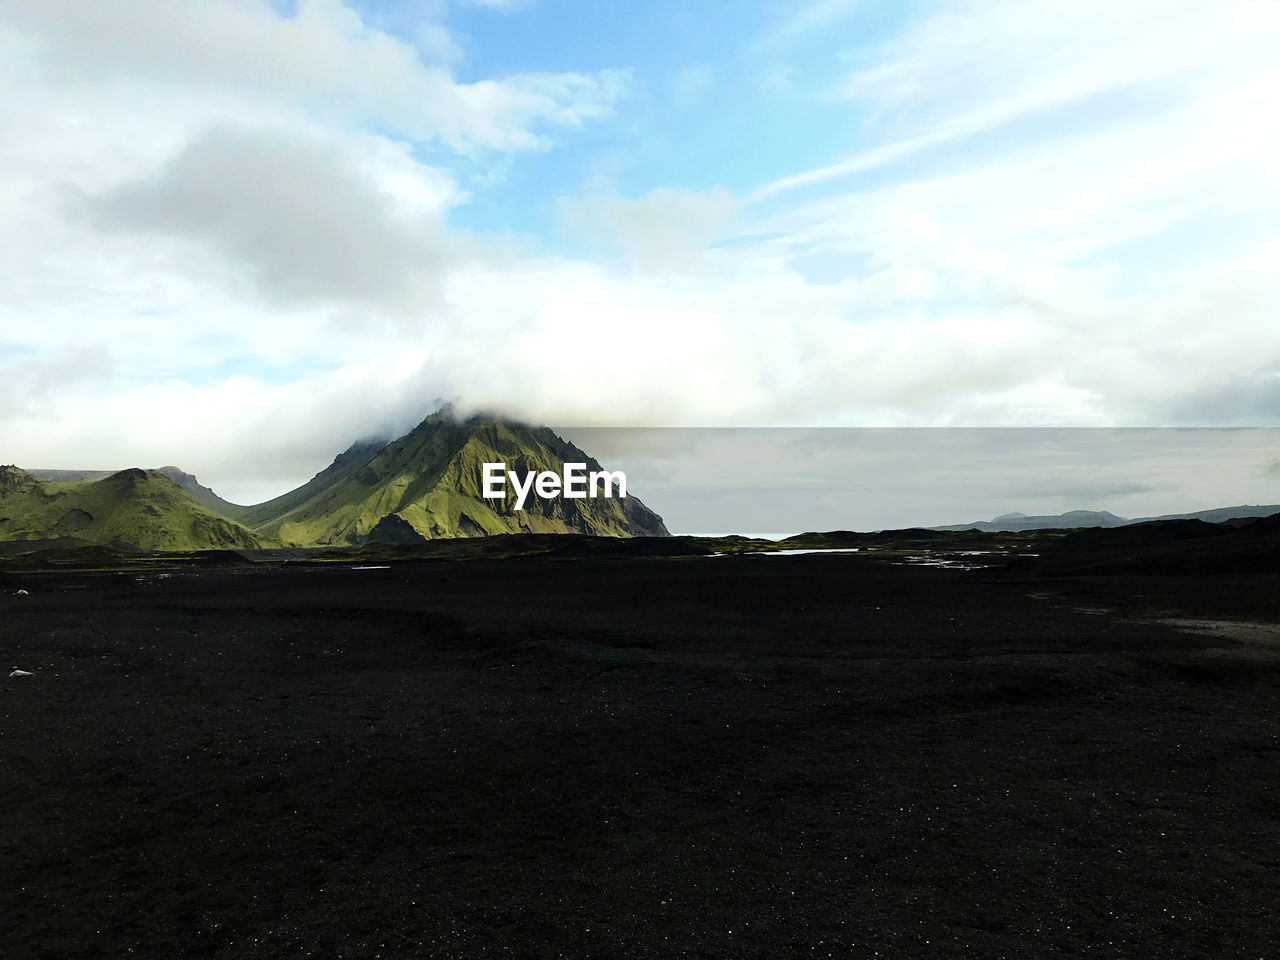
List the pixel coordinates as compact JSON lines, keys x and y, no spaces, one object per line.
{"x":710,"y":757}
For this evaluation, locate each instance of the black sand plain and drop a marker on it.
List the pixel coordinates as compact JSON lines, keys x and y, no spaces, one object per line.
{"x":777,"y":756}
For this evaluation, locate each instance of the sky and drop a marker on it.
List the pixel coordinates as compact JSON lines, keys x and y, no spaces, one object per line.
{"x":777,"y":482}
{"x":240,"y":234}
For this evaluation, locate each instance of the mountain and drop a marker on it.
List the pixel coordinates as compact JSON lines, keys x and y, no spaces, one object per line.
{"x":201,"y":494}
{"x":424,"y":486}
{"x":1015,"y":522}
{"x":1077,"y":519}
{"x":1218,"y":514}
{"x":427,"y":485}
{"x":135,"y":508}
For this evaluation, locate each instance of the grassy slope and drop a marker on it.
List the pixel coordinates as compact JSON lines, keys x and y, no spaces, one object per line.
{"x":337,"y":473}
{"x":142,"y":509}
{"x":431,"y":478}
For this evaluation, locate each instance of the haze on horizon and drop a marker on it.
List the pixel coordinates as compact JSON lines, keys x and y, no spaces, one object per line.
{"x":241,"y":234}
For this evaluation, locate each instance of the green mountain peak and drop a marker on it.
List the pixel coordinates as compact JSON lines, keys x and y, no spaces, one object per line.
{"x":427,"y":484}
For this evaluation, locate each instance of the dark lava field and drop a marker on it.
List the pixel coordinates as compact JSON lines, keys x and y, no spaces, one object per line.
{"x":748,"y":756}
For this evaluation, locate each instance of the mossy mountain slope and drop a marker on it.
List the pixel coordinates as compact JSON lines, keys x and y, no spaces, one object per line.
{"x":132,"y":508}
{"x":427,"y":485}
{"x":337,"y":473}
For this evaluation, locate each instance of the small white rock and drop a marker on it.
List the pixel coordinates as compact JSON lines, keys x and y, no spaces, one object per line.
{"x":21,"y":673}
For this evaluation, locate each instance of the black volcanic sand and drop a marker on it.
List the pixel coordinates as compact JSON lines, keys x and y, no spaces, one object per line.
{"x":711,"y":757}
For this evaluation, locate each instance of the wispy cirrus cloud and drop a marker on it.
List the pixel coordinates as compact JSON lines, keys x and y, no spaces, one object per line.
{"x":501,"y":6}
{"x":975,"y":67}
{"x":805,"y":19}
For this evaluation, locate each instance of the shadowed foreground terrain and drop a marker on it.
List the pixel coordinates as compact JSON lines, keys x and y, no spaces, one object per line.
{"x":646,"y":757}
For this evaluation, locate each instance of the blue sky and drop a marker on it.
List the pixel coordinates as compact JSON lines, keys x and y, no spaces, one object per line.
{"x":232,"y":221}
{"x":717,"y":95}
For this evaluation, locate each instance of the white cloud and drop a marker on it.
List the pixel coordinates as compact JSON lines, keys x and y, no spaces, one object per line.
{"x":243,"y":435}
{"x":295,"y":219}
{"x":324,"y":57}
{"x":667,"y":229}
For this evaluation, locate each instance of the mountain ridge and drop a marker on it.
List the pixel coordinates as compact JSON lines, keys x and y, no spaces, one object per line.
{"x":1085,"y":519}
{"x":423,"y":485}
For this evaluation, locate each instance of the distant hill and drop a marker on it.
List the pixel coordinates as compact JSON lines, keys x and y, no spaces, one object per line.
{"x":1175,"y":547}
{"x":69,"y":476}
{"x":1218,"y":514}
{"x":133,"y":508}
{"x":1016,"y":522}
{"x":1080,"y":519}
{"x":201,"y":494}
